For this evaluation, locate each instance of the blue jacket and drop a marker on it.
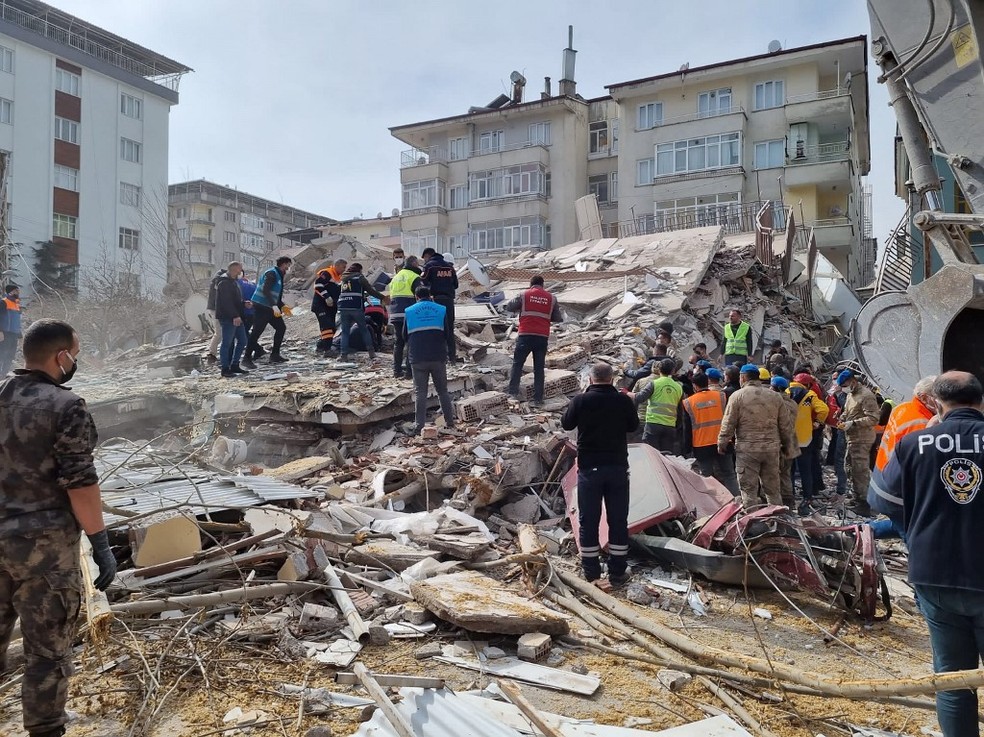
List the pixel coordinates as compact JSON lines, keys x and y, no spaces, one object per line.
{"x":270,"y":288}
{"x":424,"y":325}
{"x":440,"y":277}
{"x":934,"y":480}
{"x":248,"y":288}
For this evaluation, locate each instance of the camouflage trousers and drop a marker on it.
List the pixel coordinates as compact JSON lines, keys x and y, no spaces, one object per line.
{"x":41,"y":582}
{"x":857,"y":464}
{"x":758,"y":476}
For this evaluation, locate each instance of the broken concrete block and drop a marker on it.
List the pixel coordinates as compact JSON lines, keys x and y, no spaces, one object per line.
{"x":379,"y":635}
{"x":493,"y":653}
{"x":557,"y":382}
{"x":390,"y":553}
{"x":526,"y":510}
{"x":430,"y":650}
{"x":638,"y":595}
{"x":318,"y":616}
{"x":533,"y":646}
{"x":164,"y":537}
{"x":481,"y":406}
{"x":429,"y":432}
{"x":415,"y":614}
{"x":481,"y":604}
{"x":673,"y":679}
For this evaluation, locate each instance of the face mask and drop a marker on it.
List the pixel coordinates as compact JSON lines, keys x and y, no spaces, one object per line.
{"x":67,"y":375}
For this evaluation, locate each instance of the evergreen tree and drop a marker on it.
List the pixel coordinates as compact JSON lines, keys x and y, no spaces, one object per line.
{"x":50,"y":275}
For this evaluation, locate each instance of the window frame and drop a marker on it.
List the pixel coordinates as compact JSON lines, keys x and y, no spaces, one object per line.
{"x":71,"y":229}
{"x":717,"y":95}
{"x":599,"y":138}
{"x":653,"y":112}
{"x":490,"y":142}
{"x":131,"y":195}
{"x":5,"y":54}
{"x":72,"y":126}
{"x":778,"y":92}
{"x":600,"y":188}
{"x":74,"y":81}
{"x":649,"y":163}
{"x":72,"y":178}
{"x":769,"y":146}
{"x":458,"y":148}
{"x":129,"y":239}
{"x":704,"y":153}
{"x":133,"y":146}
{"x":134,"y":103}
{"x":539,"y":133}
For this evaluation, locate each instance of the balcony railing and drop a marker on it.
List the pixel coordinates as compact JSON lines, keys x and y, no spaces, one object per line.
{"x":818,"y":95}
{"x":423,"y":157}
{"x":733,"y":217}
{"x":831,"y":222}
{"x":820,"y":153}
{"x":510,"y":147}
{"x":734,"y":109}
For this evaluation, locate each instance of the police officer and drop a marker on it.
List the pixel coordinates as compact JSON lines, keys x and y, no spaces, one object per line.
{"x":10,"y":327}
{"x":48,"y":491}
{"x":857,"y":421}
{"x":602,"y":418}
{"x":537,"y":309}
{"x":324,"y":303}
{"x":662,"y":399}
{"x":440,"y":277}
{"x":762,"y":427}
{"x":737,"y":340}
{"x":933,"y":484}
{"x":702,"y":415}
{"x":401,"y":291}
{"x":268,"y":306}
{"x":352,"y":308}
{"x":424,"y":324}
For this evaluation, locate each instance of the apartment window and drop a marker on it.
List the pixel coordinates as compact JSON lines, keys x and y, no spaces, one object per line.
{"x":130,"y":239}
{"x":269,"y":245}
{"x":598,"y":137}
{"x":67,"y":82}
{"x":540,"y":134}
{"x":229,"y":216}
{"x":547,"y":185}
{"x":211,"y":256}
{"x":458,"y":197}
{"x":252,"y":221}
{"x":458,"y":149}
{"x":129,"y":194}
{"x":6,"y":60}
{"x":129,"y":282}
{"x":490,"y":141}
{"x":66,"y":130}
{"x":650,"y":115}
{"x":613,"y":187}
{"x":690,"y":212}
{"x":503,"y":234}
{"x":229,"y":237}
{"x":64,"y":226}
{"x":251,"y":242}
{"x":183,"y":234}
{"x":6,"y":112}
{"x":425,"y":193}
{"x":182,"y":212}
{"x":644,"y":172}
{"x":228,"y":257}
{"x":130,"y":106}
{"x":770,"y":154}
{"x":698,"y":154}
{"x":715,"y":102}
{"x":598,"y":186}
{"x":524,"y":179}
{"x":770,"y":94}
{"x":615,"y":129}
{"x":130,"y":150}
{"x":66,"y":177}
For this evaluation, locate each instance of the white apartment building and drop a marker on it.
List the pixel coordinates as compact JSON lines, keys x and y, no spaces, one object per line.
{"x":687,"y":148}
{"x":212,"y":225}
{"x":84,"y":116}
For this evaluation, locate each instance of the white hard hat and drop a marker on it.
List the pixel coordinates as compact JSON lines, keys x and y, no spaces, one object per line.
{"x":448,"y":257}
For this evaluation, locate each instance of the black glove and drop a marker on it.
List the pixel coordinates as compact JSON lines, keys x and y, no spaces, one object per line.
{"x":104,"y":558}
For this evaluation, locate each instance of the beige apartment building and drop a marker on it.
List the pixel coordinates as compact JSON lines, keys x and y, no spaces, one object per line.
{"x":691,"y":147}
{"x":211,"y":225}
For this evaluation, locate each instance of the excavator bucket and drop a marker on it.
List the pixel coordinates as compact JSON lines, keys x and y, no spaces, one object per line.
{"x":934,"y":326}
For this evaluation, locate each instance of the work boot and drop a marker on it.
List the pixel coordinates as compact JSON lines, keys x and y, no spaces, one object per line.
{"x":57,"y":732}
{"x":277,"y":358}
{"x":227,"y":374}
{"x":344,"y":357}
{"x":211,"y":358}
{"x":861,"y":508}
{"x":237,"y":369}
{"x":247,"y":362}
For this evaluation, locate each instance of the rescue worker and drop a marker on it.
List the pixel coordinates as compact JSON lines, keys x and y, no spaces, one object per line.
{"x":648,"y":368}
{"x":401,"y":292}
{"x":738,"y":343}
{"x":932,"y":484}
{"x":780,"y":385}
{"x":10,"y":327}
{"x":537,"y":309}
{"x":440,"y":277}
{"x":702,"y":415}
{"x":804,"y":376}
{"x":268,"y":305}
{"x":779,"y":360}
{"x":714,"y":379}
{"x":230,"y":313}
{"x":602,"y":418}
{"x":352,"y":308}
{"x":858,"y":420}
{"x":662,"y":399}
{"x":324,"y":303}
{"x":49,"y":490}
{"x":399,"y":259}
{"x":811,"y":414}
{"x":885,"y":407}
{"x":424,"y":324}
{"x":759,"y":422}
{"x":909,"y":417}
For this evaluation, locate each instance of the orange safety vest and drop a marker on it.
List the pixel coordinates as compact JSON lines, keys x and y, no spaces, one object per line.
{"x":907,"y":418}
{"x":706,"y":409}
{"x":534,"y":316}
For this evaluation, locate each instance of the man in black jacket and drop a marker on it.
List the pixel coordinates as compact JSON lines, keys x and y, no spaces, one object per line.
{"x":933,"y":482}
{"x":603,"y":417}
{"x":440,"y":277}
{"x":230,"y":312}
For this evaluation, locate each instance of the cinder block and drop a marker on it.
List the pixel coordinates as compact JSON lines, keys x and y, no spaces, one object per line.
{"x":533,"y":646}
{"x":556,"y":383}
{"x":567,"y":358}
{"x":480,"y":406}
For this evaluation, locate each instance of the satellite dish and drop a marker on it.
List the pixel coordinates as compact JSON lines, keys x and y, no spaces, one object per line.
{"x":395,"y":212}
{"x":379,"y":215}
{"x":774,"y":46}
{"x":517,"y":78}
{"x":478,"y":270}
{"x":684,"y":67}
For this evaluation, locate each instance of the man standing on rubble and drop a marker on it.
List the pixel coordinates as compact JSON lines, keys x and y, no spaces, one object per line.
{"x":932,"y":484}
{"x":738,"y":342}
{"x":10,"y":327}
{"x":268,"y":305}
{"x":424,"y":324}
{"x":857,"y":421}
{"x":702,"y":415}
{"x":401,"y":291}
{"x":440,"y":277}
{"x":662,"y":399}
{"x":213,"y":345}
{"x":759,"y":422}
{"x":230,"y":312}
{"x":537,"y":308}
{"x":352,"y":308}
{"x":603,"y":418}
{"x":324,"y":303}
{"x":49,"y":489}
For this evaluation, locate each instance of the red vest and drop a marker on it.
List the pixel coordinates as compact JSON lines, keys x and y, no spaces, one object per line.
{"x":534,"y":316}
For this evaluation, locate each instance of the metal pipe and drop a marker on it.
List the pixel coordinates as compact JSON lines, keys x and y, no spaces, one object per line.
{"x":359,"y":628}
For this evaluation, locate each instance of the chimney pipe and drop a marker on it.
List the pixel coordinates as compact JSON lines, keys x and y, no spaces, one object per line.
{"x":568,"y":86}
{"x":545,"y":95}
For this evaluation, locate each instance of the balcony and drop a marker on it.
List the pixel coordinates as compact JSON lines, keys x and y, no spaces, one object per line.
{"x":200,"y":219}
{"x":825,"y":163}
{"x":423,"y":163}
{"x":424,"y":218}
{"x":519,"y":153}
{"x":813,"y":106}
{"x":199,"y":240}
{"x":700,"y":124}
{"x":721,"y":171}
{"x":834,"y":234}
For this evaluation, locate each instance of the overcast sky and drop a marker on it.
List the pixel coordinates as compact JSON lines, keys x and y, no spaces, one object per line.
{"x":292,"y":99}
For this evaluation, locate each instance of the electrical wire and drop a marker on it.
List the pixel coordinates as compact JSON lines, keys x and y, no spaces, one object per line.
{"x":939,"y":42}
{"x":919,"y":48}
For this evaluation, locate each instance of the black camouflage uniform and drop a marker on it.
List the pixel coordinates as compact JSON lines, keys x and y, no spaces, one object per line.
{"x":47,"y":437}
